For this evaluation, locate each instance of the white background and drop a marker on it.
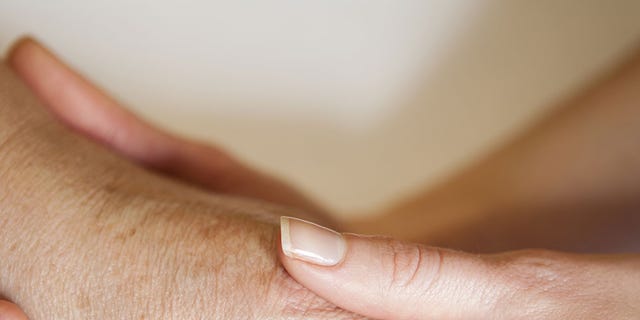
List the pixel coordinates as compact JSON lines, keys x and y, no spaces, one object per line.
{"x":357,"y":102}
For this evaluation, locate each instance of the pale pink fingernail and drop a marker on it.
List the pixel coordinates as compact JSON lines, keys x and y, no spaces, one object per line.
{"x":310,"y":242}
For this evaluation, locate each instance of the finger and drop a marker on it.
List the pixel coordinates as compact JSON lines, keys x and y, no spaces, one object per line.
{"x":388,"y":279}
{"x":9,"y":311}
{"x":86,"y":108}
{"x":382,"y":278}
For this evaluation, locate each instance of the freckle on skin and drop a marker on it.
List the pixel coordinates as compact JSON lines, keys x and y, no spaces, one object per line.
{"x":211,"y":229}
{"x":83,"y":301}
{"x":109,"y":188}
{"x":209,"y":232}
{"x":122,"y":236}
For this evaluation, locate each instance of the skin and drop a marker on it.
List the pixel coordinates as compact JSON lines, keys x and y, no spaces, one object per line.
{"x":572,"y":182}
{"x":388,"y":279}
{"x":87,"y":110}
{"x":501,"y":203}
{"x":89,"y":235}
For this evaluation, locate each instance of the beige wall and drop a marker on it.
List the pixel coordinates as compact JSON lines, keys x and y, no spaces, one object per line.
{"x":358,"y":102}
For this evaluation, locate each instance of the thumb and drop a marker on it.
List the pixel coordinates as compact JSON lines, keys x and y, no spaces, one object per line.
{"x":384,"y":278}
{"x":387,"y":279}
{"x":9,"y":311}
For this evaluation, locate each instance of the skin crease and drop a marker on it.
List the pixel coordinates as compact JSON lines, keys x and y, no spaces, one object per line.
{"x":571,"y":182}
{"x":521,"y":266}
{"x":387,"y":279}
{"x":90,"y":236}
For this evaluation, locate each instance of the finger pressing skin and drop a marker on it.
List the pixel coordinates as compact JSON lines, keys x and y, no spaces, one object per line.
{"x":86,"y":108}
{"x":387,"y":279}
{"x":383,"y":278}
{"x":9,"y":311}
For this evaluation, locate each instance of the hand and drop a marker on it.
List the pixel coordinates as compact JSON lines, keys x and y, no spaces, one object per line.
{"x":87,"y":235}
{"x":86,"y":109}
{"x":388,"y":279}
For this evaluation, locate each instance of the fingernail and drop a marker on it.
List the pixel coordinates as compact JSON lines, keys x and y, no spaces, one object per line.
{"x":310,"y":242}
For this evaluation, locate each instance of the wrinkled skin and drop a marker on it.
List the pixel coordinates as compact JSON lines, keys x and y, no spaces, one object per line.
{"x":84,"y":234}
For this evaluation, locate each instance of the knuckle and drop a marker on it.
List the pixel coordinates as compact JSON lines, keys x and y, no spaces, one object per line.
{"x":537,"y":270}
{"x":412,"y":265}
{"x":405,"y":263}
{"x":542,"y":280}
{"x":546,"y":283}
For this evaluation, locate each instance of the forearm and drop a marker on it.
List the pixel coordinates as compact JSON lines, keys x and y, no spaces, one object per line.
{"x":569,"y":182}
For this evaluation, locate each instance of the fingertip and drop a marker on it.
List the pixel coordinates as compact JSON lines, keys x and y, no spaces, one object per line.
{"x":29,"y":59}
{"x":10,"y":311}
{"x":22,"y":42}
{"x":21,"y":46}
{"x":83,"y":106}
{"x":351,"y":283}
{"x":311,"y":242}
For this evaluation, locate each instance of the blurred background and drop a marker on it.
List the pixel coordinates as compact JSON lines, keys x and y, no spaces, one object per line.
{"x":357,"y":102}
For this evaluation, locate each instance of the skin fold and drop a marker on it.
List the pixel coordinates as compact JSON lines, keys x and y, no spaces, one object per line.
{"x":84,"y":228}
{"x":570,"y":183}
{"x":85,"y":234}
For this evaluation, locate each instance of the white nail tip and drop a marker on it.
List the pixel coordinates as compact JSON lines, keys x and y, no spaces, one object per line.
{"x":310,"y":242}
